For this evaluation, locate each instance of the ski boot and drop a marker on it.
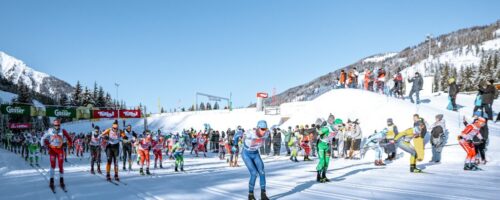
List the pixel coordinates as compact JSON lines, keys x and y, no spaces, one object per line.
{"x":263,"y":195}
{"x":318,"y":177}
{"x":473,"y":167}
{"x":182,"y":168}
{"x":108,"y":177}
{"x":155,"y":166}
{"x":376,"y":163}
{"x":99,"y":169}
{"x":251,"y":196}
{"x":141,"y":172}
{"x":124,"y":168}
{"x":380,"y":163}
{"x":324,"y":179}
{"x":61,"y":182}
{"x":295,"y":159}
{"x":466,"y":167}
{"x":51,"y":183}
{"x":116,"y":177}
{"x":92,"y":170}
{"x":291,"y":158}
{"x":414,"y":169}
{"x":161,"y":166}
{"x":147,"y":171}
{"x":176,"y":168}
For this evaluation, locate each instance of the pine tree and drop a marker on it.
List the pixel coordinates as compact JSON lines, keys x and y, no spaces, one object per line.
{"x":109,"y":101}
{"x":209,"y":106}
{"x":162,"y":110}
{"x":24,"y":94}
{"x":436,"y":83}
{"x":86,"y":97}
{"x":216,"y":106}
{"x":202,"y":106}
{"x":445,"y":74}
{"x":468,"y":79}
{"x":63,"y":101}
{"x":191,"y":108}
{"x":101,"y":99}
{"x":95,"y":94}
{"x":77,"y":95}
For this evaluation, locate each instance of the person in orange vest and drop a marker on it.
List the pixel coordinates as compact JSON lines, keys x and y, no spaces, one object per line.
{"x":53,"y":139}
{"x":368,"y":74}
{"x":342,"y":78}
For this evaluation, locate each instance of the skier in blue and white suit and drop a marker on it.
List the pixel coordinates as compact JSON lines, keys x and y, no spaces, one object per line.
{"x":373,"y":142}
{"x":252,"y":141}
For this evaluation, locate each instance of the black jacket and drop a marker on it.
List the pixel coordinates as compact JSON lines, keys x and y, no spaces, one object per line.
{"x":453,"y":90}
{"x":418,"y":83}
{"x":488,"y":94}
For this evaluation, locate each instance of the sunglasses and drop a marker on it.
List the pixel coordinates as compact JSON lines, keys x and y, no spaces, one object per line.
{"x":263,"y":129}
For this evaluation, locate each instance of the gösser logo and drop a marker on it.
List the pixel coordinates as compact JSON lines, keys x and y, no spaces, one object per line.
{"x":62,"y":113}
{"x":11,"y":109}
{"x":106,"y":114}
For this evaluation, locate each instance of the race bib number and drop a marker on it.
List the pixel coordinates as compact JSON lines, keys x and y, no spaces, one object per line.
{"x":113,"y":135}
{"x":56,"y":141}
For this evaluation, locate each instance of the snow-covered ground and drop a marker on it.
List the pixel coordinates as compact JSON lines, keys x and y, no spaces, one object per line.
{"x":7,"y":97}
{"x":210,"y":178}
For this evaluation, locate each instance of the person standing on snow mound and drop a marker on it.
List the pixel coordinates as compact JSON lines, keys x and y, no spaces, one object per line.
{"x":53,"y":138}
{"x":112,"y":135}
{"x":252,"y":141}
{"x":418,"y":84}
{"x":465,"y":140}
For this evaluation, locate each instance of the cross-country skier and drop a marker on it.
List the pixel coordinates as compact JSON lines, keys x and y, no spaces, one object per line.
{"x":33,"y":148}
{"x":324,"y":141}
{"x":252,"y":141}
{"x":178,"y":151}
{"x":158,"y":147}
{"x":53,"y":138}
{"x":95,"y":150}
{"x":403,"y":140}
{"x":112,"y":135}
{"x":235,"y":147}
{"x":128,"y":137}
{"x":373,"y":142}
{"x":465,"y":140}
{"x":390,"y":147}
{"x":144,"y":144}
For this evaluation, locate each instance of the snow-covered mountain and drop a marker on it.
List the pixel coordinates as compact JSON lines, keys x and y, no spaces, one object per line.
{"x":16,"y":71}
{"x":463,"y":48}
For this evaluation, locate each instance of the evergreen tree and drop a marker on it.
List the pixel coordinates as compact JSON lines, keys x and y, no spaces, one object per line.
{"x":436,"y":83}
{"x":209,"y":106}
{"x":202,"y":106}
{"x":216,"y":106}
{"x":162,"y":110}
{"x":86,"y":97}
{"x":63,"y":101}
{"x":101,"y":99}
{"x":445,"y":75}
{"x":468,"y":79}
{"x":77,"y":95}
{"x":24,"y":94}
{"x":191,"y":108}
{"x":95,"y":94}
{"x":108,"y":101}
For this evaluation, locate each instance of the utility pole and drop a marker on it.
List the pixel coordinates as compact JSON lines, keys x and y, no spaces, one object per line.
{"x":117,"y":107}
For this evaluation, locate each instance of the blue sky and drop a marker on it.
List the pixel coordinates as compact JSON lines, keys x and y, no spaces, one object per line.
{"x":169,"y":50}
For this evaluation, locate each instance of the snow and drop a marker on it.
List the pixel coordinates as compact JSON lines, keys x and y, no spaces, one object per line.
{"x":16,"y":70}
{"x":210,"y":178}
{"x":380,"y":57}
{"x":7,"y":97}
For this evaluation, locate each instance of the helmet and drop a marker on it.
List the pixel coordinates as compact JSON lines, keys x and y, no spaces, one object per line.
{"x":262,"y":124}
{"x":338,"y":121}
{"x":57,"y":122}
{"x":480,"y":122}
{"x":451,"y":80}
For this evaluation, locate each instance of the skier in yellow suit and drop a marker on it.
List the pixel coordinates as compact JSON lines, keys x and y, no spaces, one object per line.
{"x":404,"y":139}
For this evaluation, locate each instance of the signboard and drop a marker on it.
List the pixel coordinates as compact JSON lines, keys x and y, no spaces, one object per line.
{"x":15,"y":109}
{"x":262,"y":95}
{"x":130,"y":113}
{"x":19,"y":125}
{"x":105,"y":114}
{"x":60,"y":112}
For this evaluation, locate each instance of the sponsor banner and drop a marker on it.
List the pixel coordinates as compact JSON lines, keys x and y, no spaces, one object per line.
{"x":19,"y":125}
{"x":262,"y":95}
{"x":105,"y":114}
{"x":130,"y":113}
{"x":60,"y":112}
{"x":15,"y":109}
